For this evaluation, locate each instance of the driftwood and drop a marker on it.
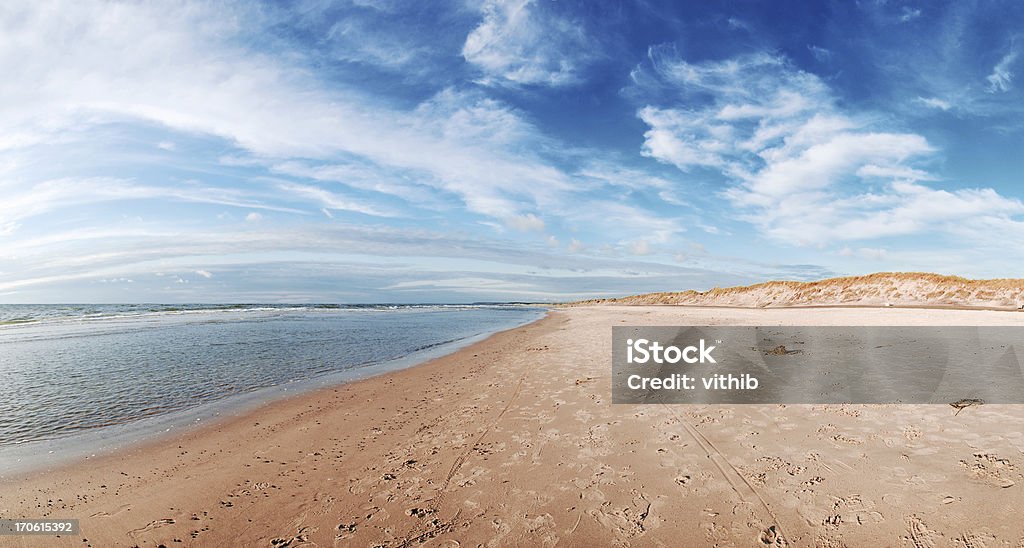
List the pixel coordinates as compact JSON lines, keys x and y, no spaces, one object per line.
{"x":960,"y":405}
{"x":780,"y":350}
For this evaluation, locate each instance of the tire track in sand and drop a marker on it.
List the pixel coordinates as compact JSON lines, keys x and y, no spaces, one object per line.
{"x":736,"y":480}
{"x":419,"y":533}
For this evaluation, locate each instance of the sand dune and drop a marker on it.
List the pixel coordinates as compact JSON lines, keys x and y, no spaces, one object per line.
{"x":880,"y":289}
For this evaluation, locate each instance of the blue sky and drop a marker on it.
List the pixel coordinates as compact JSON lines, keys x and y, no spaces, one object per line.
{"x":379,"y":151}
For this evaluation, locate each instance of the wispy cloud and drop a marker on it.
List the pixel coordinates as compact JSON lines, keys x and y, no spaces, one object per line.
{"x":333,"y":201}
{"x":935,"y":102}
{"x":519,"y":43}
{"x":796,"y":162}
{"x":909,"y":14}
{"x":23,"y":202}
{"x":1001,"y":77}
{"x":282,"y":148}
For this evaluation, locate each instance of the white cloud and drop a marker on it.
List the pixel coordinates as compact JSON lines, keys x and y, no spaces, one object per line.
{"x":67,"y":256}
{"x":406,"y":185}
{"x":639,"y":247}
{"x":747,"y":89}
{"x":871,"y":253}
{"x":470,"y":285}
{"x":737,"y":24}
{"x":23,"y":201}
{"x":517,"y":43}
{"x":117,"y":281}
{"x":528,"y":222}
{"x":935,"y":102}
{"x":297,"y":142}
{"x":821,"y":54}
{"x":204,"y":273}
{"x":909,"y":14}
{"x":187,"y":71}
{"x":353,"y":39}
{"x":1001,"y":78}
{"x":902,"y":173}
{"x":331,"y":200}
{"x":617,"y":175}
{"x":802,"y":170}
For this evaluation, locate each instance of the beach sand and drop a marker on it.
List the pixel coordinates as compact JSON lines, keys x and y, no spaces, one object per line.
{"x":514,"y":441}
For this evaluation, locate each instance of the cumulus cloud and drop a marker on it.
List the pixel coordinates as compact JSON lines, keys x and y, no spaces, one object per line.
{"x":518,"y":43}
{"x":800,"y":168}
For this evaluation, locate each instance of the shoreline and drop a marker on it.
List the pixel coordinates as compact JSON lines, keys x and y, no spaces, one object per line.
{"x":84,"y":447}
{"x":514,"y":440}
{"x":199,"y":456}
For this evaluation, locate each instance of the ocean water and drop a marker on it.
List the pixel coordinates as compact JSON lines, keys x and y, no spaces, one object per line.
{"x":72,"y":369}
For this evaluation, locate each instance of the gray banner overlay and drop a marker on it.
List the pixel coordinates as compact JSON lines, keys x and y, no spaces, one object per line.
{"x":817,"y":364}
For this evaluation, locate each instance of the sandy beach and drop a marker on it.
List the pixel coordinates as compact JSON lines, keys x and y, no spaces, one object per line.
{"x":514,"y":441}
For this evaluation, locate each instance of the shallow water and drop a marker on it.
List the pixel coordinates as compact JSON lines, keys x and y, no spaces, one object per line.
{"x":67,"y":370}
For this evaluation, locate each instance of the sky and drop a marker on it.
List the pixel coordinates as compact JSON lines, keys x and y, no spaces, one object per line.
{"x":388,"y":151}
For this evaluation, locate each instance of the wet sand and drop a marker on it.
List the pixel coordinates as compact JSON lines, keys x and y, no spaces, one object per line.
{"x":514,"y":441}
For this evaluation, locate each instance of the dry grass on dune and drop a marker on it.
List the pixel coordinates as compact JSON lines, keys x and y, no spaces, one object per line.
{"x":879,"y":289}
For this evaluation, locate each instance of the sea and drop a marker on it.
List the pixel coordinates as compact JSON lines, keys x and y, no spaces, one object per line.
{"x":78,"y":380}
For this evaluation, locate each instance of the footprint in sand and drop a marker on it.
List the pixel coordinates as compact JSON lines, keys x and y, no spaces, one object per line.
{"x":150,"y":526}
{"x":120,"y":509}
{"x":301,"y":537}
{"x":841,"y":438}
{"x":771,"y":537}
{"x":919,"y":535}
{"x":625,"y":522}
{"x":991,"y":469}
{"x":346,"y":531}
{"x":971,"y":539}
